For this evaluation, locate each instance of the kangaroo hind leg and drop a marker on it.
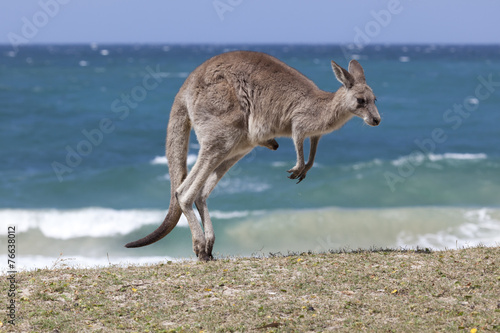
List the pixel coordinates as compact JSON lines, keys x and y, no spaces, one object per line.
{"x":209,"y":158}
{"x":201,"y":200}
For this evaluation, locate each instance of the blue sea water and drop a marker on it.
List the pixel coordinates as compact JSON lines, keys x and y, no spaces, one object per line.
{"x":82,"y":130}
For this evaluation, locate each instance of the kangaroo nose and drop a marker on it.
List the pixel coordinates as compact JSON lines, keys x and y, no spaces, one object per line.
{"x":376,"y":121}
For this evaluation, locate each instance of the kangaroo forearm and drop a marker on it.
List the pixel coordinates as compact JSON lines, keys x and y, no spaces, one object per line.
{"x":312,"y":151}
{"x":299,"y":147}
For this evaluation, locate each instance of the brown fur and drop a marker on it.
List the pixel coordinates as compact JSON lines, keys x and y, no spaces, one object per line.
{"x":236,"y":101}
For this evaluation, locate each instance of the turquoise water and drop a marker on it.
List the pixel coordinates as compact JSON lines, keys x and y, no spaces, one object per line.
{"x":82,"y":132}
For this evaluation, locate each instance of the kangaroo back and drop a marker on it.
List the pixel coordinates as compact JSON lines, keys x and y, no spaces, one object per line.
{"x":177,"y":146}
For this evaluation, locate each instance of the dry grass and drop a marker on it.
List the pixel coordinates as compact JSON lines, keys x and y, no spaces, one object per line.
{"x":382,"y":291}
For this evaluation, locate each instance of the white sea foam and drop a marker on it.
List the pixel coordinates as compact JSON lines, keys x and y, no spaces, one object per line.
{"x":470,"y":227}
{"x":279,"y":164}
{"x":229,"y":215}
{"x":415,"y":159}
{"x":232,"y":185}
{"x":85,"y":222}
{"x":159,"y":160}
{"x":191,"y":159}
{"x":438,"y":228}
{"x":31,"y":262}
{"x":473,"y":100}
{"x":457,"y":156}
{"x":92,"y":221}
{"x":365,"y":165}
{"x":280,"y":230}
{"x":419,"y":158}
{"x":181,"y":75}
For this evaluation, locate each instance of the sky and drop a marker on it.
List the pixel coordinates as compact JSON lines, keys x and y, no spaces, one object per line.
{"x":250,"y":21}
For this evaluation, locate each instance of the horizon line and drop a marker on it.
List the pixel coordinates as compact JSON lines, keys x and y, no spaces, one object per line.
{"x":248,"y":44}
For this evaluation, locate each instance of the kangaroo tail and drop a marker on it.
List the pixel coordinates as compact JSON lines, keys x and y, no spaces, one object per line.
{"x":179,"y":127}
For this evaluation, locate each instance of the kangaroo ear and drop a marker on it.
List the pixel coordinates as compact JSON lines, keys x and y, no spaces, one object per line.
{"x":357,"y":71}
{"x":342,"y":75}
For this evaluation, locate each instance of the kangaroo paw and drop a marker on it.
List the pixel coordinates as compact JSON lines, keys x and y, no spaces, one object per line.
{"x":302,"y":177}
{"x":296,"y":172}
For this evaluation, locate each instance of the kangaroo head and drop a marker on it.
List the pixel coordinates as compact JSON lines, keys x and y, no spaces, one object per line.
{"x":359,"y":98}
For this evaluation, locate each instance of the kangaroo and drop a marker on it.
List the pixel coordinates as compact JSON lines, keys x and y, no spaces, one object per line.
{"x":236,"y":101}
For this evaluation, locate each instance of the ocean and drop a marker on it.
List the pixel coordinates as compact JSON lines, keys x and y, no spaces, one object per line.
{"x":83,"y":169}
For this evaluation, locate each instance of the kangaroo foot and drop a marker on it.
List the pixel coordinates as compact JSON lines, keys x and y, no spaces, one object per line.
{"x":297,"y":173}
{"x":208,"y":249}
{"x":270,"y":144}
{"x":199,"y":249}
{"x":204,"y":256}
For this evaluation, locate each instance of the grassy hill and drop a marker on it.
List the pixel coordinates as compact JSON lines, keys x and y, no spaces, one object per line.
{"x":383,"y":291}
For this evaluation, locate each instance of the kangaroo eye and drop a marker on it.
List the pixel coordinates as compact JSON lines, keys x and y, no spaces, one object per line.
{"x":361,"y":100}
